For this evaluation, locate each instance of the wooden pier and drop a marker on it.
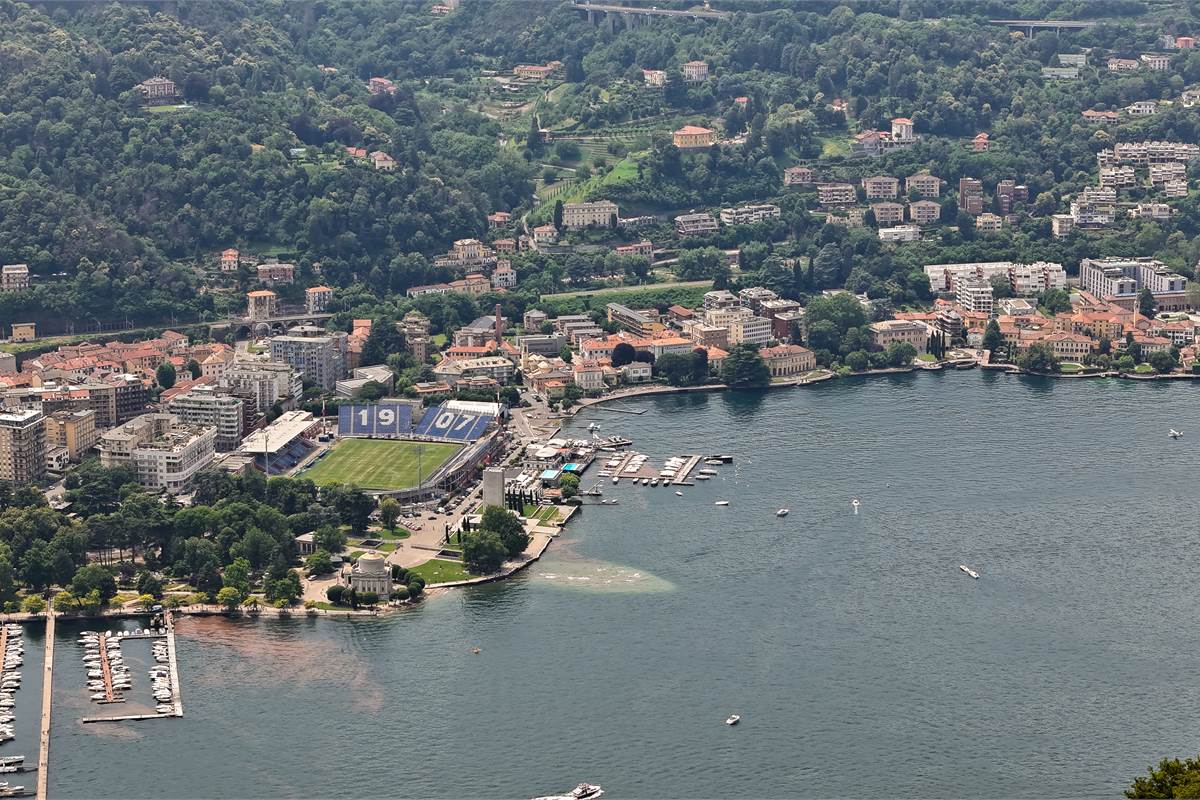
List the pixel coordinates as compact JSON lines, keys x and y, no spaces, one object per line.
{"x":681,"y":476}
{"x":106,"y":672}
{"x":47,"y":683}
{"x":169,"y":622}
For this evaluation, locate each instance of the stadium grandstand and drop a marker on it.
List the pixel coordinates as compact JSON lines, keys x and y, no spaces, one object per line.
{"x":283,"y":444}
{"x":452,"y":421}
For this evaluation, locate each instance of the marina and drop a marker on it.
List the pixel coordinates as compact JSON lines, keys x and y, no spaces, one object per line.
{"x":163,"y":674}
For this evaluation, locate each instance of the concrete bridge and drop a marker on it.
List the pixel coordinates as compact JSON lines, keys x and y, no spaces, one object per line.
{"x":1030,"y":26}
{"x":632,"y":16}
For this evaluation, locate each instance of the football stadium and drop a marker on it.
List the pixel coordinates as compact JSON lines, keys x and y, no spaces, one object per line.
{"x":398,"y":448}
{"x":381,"y":463}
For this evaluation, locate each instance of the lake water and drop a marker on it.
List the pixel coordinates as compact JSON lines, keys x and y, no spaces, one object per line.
{"x":862,"y":661}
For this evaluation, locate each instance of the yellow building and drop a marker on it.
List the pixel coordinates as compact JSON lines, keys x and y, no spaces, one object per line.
{"x":692,"y":136}
{"x":24,"y":331}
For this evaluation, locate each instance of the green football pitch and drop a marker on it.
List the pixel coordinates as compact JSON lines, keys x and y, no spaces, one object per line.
{"x":380,"y":463}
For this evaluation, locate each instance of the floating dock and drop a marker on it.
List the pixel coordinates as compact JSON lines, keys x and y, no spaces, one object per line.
{"x":681,"y":477}
{"x":173,"y":660}
{"x":47,"y":683}
{"x":106,"y":673}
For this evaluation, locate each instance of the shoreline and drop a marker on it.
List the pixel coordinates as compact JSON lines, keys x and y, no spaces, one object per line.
{"x":515,"y":567}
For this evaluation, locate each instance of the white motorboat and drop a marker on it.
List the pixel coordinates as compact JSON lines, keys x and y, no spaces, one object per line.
{"x":679,"y":494}
{"x":968,"y":570}
{"x":721,"y":503}
{"x":99,"y":696}
{"x":733,"y":719}
{"x":708,"y":472}
{"x":855,"y":504}
{"x":586,"y":791}
{"x":783,"y":512}
{"x":703,"y":477}
{"x":1174,"y":434}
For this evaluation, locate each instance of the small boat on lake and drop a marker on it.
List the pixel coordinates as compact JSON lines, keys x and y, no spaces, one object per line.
{"x":733,"y":719}
{"x":721,"y":503}
{"x":1174,"y":434}
{"x":679,"y":494}
{"x":969,"y":571}
{"x":783,"y":512}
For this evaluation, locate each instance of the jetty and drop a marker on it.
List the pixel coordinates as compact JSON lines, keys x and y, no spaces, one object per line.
{"x":43,"y":768}
{"x":173,"y":661}
{"x":106,"y":673}
{"x":681,"y":477}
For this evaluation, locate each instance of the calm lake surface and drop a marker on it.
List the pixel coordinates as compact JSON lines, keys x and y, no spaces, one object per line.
{"x":862,"y":661}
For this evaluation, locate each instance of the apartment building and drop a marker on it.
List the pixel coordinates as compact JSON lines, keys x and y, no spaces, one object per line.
{"x":1062,"y":225}
{"x":975,"y":295}
{"x":1141,"y":108}
{"x":74,"y":431}
{"x":1123,"y":177}
{"x":887,"y":213}
{"x":1139,"y":154}
{"x":265,"y":383}
{"x":988,"y":222}
{"x":209,"y":406}
{"x":695,"y":224}
{"x":749,"y":214}
{"x":319,"y":359}
{"x":597,"y":214}
{"x":970,"y":196}
{"x":276,"y":273}
{"x":1156,"y":211}
{"x":836,"y":194}
{"x":1118,"y":280}
{"x":881,"y":187}
{"x":638,"y":322}
{"x":1025,"y":279}
{"x":746,"y":327}
{"x":1008,"y":193}
{"x":1164,"y":173}
{"x":1159,"y":62}
{"x":317,"y":299}
{"x":797,"y":176}
{"x":924,"y":212}
{"x":165,"y":453}
{"x":22,"y":446}
{"x":14,"y":278}
{"x":900,"y":233}
{"x":924,"y":184}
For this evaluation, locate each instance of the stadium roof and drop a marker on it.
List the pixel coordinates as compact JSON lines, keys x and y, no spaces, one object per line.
{"x":279,"y":434}
{"x":475,"y":407}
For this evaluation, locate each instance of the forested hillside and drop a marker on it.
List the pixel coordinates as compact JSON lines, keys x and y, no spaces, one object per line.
{"x":117,"y":207}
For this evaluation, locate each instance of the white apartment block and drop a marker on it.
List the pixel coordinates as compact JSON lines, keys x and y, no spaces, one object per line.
{"x":165,"y":454}
{"x":900,"y":233}
{"x":975,"y":294}
{"x":836,"y":194}
{"x":746,"y":327}
{"x":887,"y":213}
{"x":14,"y":278}
{"x":1025,"y":279}
{"x":1123,"y":177}
{"x":206,"y":406}
{"x":267,"y":382}
{"x":749,"y":214}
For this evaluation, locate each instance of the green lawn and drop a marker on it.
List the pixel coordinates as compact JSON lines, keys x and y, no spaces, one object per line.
{"x":440,"y":571}
{"x":927,"y":357}
{"x":379,"y":463}
{"x":1143,"y":369}
{"x":1070,"y":368}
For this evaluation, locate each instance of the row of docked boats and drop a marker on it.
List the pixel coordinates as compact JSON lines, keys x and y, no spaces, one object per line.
{"x":101,"y":651}
{"x":160,"y":679}
{"x":10,"y":680}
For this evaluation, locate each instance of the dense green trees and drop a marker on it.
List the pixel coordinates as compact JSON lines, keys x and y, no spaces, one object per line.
{"x":483,"y":552}
{"x":508,"y":528}
{"x":1038,"y":358}
{"x":743,"y":368}
{"x":1172,"y":778}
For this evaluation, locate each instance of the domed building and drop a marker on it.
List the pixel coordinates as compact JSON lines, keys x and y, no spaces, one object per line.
{"x":371,"y":573}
